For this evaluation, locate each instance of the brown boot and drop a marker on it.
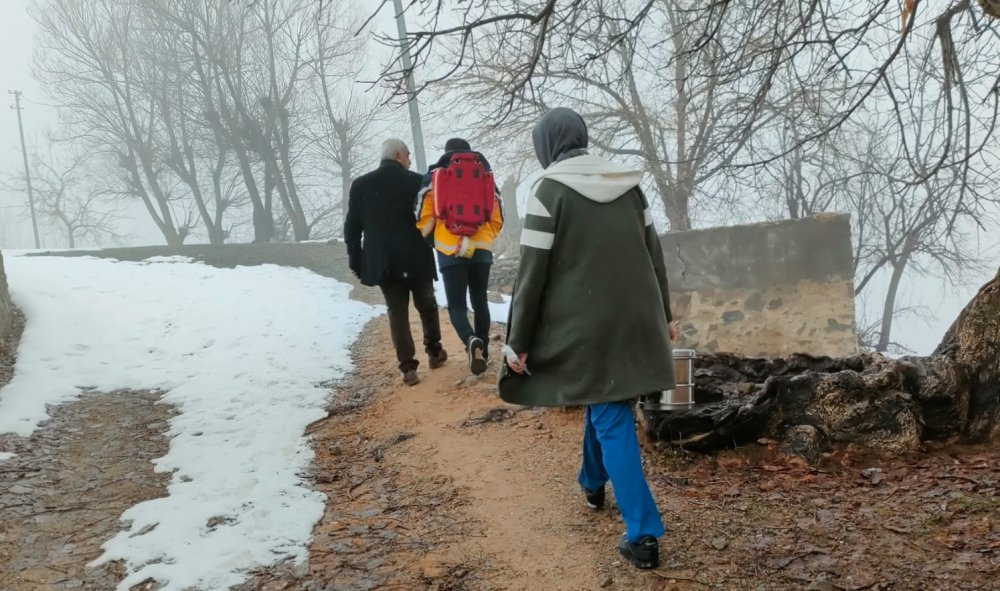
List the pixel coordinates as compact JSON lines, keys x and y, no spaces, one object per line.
{"x":410,"y":377}
{"x":437,"y":360}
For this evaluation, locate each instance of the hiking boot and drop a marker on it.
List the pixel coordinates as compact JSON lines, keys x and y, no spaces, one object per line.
{"x":644,"y":554}
{"x":477,"y":355}
{"x":410,"y":377}
{"x":595,"y":498}
{"x":437,"y":360}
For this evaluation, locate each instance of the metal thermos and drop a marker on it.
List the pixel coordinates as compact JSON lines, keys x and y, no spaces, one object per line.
{"x":682,"y":396}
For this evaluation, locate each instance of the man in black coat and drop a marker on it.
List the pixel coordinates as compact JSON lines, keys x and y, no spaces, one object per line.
{"x":385,"y":248}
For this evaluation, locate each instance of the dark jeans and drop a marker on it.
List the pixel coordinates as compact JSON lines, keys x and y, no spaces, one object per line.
{"x":397,"y":299}
{"x":469,"y":278}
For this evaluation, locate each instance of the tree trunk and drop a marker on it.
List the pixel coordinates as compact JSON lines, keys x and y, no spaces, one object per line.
{"x":809,"y":403}
{"x":509,"y":240}
{"x":675,"y":204}
{"x":263,"y":220}
{"x":889,"y":307}
{"x":345,"y":191}
{"x":217,"y":235}
{"x":226,"y":127}
{"x":163,"y":222}
{"x":300,"y":227}
{"x":346,"y":167}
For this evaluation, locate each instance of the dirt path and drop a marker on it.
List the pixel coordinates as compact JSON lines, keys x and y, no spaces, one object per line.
{"x":62,"y":495}
{"x":422,"y":497}
{"x":64,"y":490}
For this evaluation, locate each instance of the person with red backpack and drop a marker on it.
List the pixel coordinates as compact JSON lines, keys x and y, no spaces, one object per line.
{"x":460,"y":213}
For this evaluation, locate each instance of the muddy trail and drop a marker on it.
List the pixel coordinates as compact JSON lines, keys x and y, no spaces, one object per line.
{"x":443,"y":487}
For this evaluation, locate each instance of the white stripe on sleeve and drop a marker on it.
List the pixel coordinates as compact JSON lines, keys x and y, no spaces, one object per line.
{"x":537,"y":208}
{"x":537,"y":239}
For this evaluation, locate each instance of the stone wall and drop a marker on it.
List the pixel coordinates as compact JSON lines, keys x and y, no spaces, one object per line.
{"x":761,"y":290}
{"x":765,"y":289}
{"x":6,"y":308}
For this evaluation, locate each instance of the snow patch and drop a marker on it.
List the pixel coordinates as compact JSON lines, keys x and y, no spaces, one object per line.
{"x":240,"y":352}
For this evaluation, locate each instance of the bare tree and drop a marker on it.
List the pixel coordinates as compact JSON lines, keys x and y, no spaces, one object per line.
{"x":208,"y":105}
{"x":187,"y":142}
{"x":750,"y":46}
{"x":274,"y":103}
{"x":69,"y":198}
{"x":85,"y":63}
{"x":351,"y":116}
{"x":676,"y":121}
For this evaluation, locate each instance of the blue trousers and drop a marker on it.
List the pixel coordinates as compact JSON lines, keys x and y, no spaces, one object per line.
{"x":611,"y":451}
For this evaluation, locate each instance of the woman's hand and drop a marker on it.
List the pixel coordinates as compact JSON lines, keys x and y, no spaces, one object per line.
{"x":519,"y":366}
{"x":673,"y":328}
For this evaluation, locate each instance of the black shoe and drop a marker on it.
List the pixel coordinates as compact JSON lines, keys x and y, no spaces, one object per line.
{"x":410,"y":377}
{"x":644,"y":554}
{"x":595,"y":498}
{"x":477,"y":358}
{"x":437,"y":360}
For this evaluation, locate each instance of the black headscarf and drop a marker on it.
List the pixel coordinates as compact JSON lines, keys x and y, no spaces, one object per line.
{"x":560,"y":134}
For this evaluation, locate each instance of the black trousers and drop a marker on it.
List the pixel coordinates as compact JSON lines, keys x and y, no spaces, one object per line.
{"x":397,"y":299}
{"x":470,"y":278}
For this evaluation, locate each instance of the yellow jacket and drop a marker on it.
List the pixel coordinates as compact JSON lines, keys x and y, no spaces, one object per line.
{"x":449,"y":244}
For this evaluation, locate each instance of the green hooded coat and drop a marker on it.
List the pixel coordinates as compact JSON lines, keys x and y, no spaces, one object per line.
{"x":590,"y":305}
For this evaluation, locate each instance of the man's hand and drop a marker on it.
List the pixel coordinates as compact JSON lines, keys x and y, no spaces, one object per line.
{"x":519,"y":366}
{"x":673,"y":328}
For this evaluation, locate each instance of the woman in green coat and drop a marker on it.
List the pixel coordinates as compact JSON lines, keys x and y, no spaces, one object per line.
{"x":590,"y":316}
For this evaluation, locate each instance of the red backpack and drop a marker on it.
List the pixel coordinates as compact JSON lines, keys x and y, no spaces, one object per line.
{"x":464,"y":194}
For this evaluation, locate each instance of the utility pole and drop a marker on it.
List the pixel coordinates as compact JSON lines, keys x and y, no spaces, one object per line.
{"x":27,"y":171}
{"x":411,"y":89}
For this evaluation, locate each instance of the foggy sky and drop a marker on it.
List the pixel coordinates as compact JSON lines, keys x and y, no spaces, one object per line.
{"x":16,"y":41}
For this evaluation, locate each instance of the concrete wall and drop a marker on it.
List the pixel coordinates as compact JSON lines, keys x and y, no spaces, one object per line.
{"x":765,"y":289}
{"x":6,"y":308}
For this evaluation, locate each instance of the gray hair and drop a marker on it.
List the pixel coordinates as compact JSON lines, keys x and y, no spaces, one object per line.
{"x":391,"y":147}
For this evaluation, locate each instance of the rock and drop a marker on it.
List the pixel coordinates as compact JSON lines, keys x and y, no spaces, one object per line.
{"x":606,"y":581}
{"x":804,"y":441}
{"x":145,"y":530}
{"x":874,"y":475}
{"x":720,"y":543}
{"x":433,"y":571}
